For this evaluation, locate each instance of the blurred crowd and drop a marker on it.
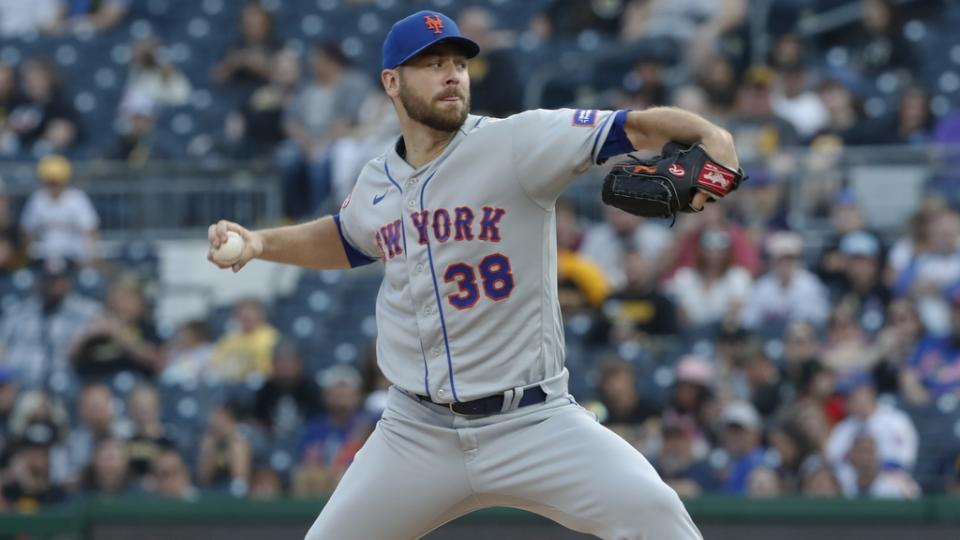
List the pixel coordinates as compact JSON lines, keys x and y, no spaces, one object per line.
{"x":740,"y":357}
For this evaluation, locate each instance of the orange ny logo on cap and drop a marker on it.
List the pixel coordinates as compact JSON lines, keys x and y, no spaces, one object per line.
{"x":434,"y":23}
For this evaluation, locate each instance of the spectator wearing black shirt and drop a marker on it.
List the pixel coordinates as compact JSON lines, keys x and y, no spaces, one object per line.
{"x":28,"y":484}
{"x":124,"y":339}
{"x":878,"y":45}
{"x":256,"y":127}
{"x":137,"y":141}
{"x":863,"y":285}
{"x":246,"y":64}
{"x":618,"y":394}
{"x":149,"y":436}
{"x":680,"y":464}
{"x":289,"y":398}
{"x":766,"y":385}
{"x":44,"y":120}
{"x":494,"y":85}
{"x":638,"y":310}
{"x":108,"y":474}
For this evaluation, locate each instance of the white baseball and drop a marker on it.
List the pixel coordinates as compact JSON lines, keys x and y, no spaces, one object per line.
{"x":229,"y":251}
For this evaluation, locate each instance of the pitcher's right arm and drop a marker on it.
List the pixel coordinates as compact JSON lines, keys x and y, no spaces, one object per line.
{"x":316,"y":244}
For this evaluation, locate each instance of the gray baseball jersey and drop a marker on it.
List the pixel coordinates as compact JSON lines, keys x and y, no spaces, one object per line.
{"x":468,"y":306}
{"x":467,"y":309}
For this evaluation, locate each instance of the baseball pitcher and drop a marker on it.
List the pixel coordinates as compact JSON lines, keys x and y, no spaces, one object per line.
{"x":459,"y":210}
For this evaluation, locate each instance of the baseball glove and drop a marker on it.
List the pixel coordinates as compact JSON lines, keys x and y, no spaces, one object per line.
{"x":665,"y":185}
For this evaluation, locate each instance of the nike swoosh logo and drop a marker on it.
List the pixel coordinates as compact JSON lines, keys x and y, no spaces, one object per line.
{"x":378,"y":198}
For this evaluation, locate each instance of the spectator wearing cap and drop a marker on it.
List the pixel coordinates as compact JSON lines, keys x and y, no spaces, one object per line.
{"x":59,"y":221}
{"x":757,"y":129}
{"x":928,"y":273}
{"x":763,"y":207}
{"x":29,"y":484}
{"x":862,"y":474}
{"x":37,"y":332}
{"x":766,"y":385}
{"x":681,"y":462}
{"x":331,"y":439}
{"x":289,"y":397}
{"x":934,"y":368}
{"x":891,"y":429}
{"x":789,"y":292}
{"x":714,"y":288}
{"x":741,"y":441}
{"x":37,"y":406}
{"x":862,"y":286}
{"x":846,"y":217}
{"x":692,"y":396}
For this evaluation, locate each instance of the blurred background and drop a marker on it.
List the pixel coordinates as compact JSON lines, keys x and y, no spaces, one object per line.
{"x":797,"y":345}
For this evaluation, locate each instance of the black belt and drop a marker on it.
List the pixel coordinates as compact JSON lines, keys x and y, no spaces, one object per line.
{"x":490,"y":404}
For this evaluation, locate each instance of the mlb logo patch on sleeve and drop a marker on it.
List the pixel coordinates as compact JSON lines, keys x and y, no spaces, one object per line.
{"x":584,"y":118}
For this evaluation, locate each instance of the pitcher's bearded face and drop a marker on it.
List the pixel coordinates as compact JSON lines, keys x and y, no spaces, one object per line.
{"x":434,"y":88}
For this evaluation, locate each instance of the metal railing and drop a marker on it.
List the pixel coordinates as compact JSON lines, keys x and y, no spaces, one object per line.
{"x":165,"y":199}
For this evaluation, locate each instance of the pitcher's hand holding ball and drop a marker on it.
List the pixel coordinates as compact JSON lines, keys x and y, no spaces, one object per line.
{"x":232,"y":246}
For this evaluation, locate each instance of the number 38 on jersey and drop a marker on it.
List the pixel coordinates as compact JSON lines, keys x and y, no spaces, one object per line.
{"x":495,"y":276}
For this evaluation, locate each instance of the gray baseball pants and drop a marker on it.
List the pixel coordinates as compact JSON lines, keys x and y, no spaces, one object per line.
{"x":424,"y":466}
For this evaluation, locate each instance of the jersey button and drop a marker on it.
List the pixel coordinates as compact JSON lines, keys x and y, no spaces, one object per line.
{"x":419,"y":268}
{"x":412,"y":203}
{"x":442,"y":393}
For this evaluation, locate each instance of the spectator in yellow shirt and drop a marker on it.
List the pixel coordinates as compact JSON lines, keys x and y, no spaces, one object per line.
{"x":247,"y":349}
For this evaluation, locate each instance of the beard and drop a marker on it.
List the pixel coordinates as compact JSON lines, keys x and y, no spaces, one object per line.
{"x":423,"y":111}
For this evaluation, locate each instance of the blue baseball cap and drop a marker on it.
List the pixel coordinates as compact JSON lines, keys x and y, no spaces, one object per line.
{"x":411,"y":35}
